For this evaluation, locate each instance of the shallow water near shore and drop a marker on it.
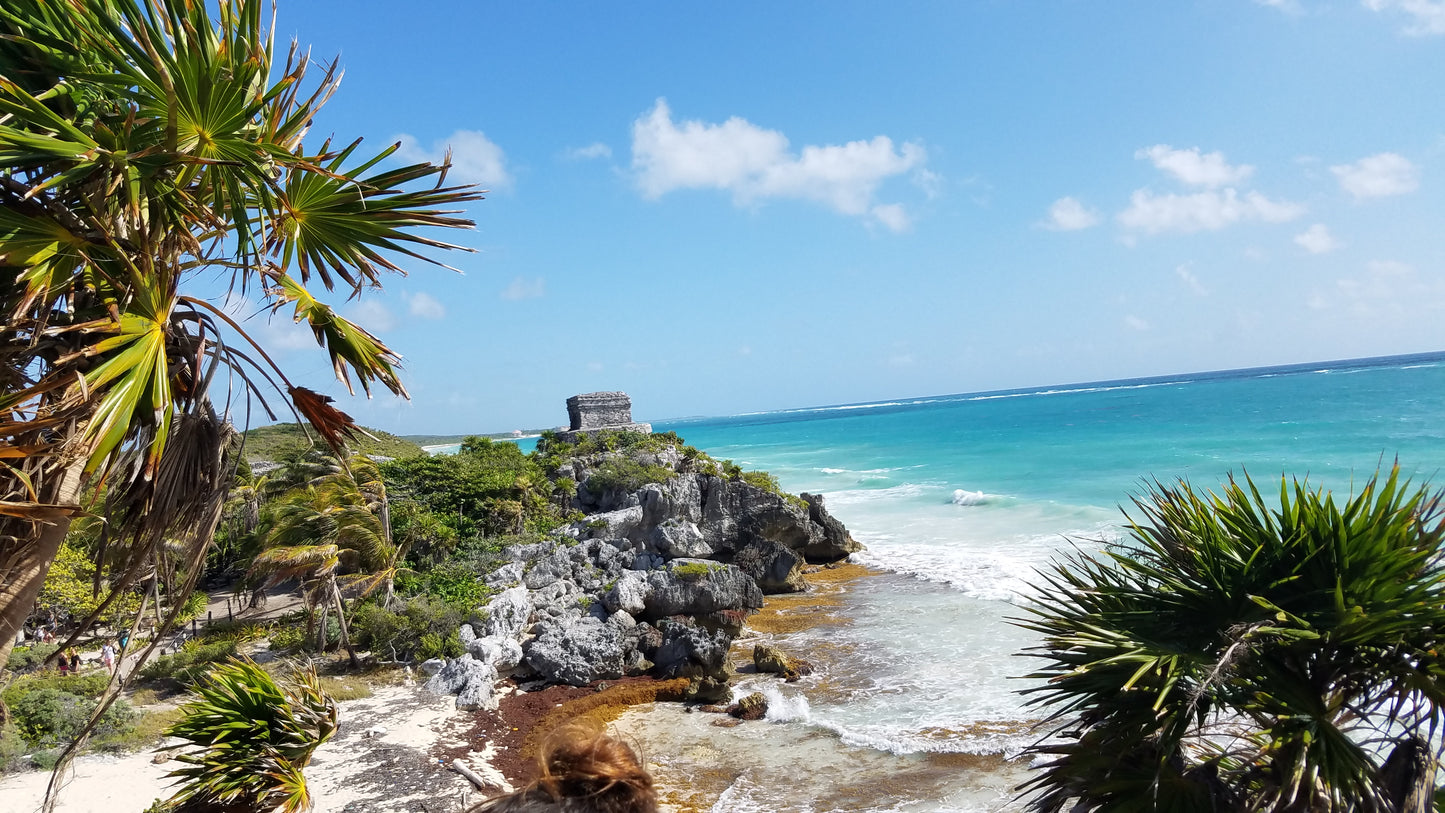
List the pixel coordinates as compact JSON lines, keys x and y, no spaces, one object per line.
{"x":959,"y":500}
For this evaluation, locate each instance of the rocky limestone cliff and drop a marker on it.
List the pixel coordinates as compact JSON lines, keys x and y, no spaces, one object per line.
{"x":654,"y":580}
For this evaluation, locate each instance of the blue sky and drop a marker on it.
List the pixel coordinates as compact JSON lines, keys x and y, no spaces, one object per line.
{"x":723,"y":208}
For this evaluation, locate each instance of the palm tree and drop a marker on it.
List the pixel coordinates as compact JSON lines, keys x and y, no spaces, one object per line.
{"x":146,"y":143}
{"x":253,"y":737}
{"x":1239,"y":654}
{"x":314,"y":566}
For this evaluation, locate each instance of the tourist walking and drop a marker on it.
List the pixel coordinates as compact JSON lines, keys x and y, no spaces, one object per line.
{"x":74,"y":661}
{"x":107,"y":656}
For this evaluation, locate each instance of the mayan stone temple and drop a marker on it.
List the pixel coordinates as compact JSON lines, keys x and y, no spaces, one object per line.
{"x":592,"y":411}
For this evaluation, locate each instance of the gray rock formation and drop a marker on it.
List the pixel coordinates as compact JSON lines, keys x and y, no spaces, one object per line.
{"x":471,"y":680}
{"x":699,"y":587}
{"x":578,"y":652}
{"x":703,"y":516}
{"x":654,"y":580}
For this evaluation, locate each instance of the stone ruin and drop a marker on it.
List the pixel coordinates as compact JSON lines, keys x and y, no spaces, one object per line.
{"x":594,"y":411}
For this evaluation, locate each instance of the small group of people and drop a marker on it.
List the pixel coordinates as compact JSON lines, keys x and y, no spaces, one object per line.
{"x":581,"y":770}
{"x":69,"y":662}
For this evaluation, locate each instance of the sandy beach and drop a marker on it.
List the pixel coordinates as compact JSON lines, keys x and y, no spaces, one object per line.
{"x":381,"y":761}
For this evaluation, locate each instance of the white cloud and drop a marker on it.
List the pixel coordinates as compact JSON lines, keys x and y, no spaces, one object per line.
{"x":1067,"y":214}
{"x":589,"y":152}
{"x":893,"y":216}
{"x":426,"y":306}
{"x":1135,"y":323}
{"x":929,"y":181}
{"x":1192,"y":167}
{"x":524,"y":288}
{"x":1190,"y":281}
{"x":1427,"y":16}
{"x":902,"y":360}
{"x":1389,"y":287}
{"x":372,"y":316}
{"x":1317,"y":240}
{"x":475,"y":158}
{"x":1202,"y":211}
{"x":1378,"y":176}
{"x":755,"y":164}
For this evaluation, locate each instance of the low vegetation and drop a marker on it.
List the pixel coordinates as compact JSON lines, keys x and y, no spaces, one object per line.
{"x":284,"y":441}
{"x":1241,"y":653}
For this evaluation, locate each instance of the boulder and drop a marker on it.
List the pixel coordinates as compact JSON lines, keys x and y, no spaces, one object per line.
{"x":772,"y":660}
{"x":469,"y":679}
{"x":752,"y":707}
{"x":577,"y":652}
{"x":507,"y":614}
{"x":623,"y":523}
{"x":507,"y":575}
{"x":500,"y":653}
{"x":775,"y":568}
{"x":680,"y":538}
{"x":833,"y":542}
{"x":680,"y":499}
{"x":698,"y":586}
{"x":689,"y":649}
{"x":628,"y":594}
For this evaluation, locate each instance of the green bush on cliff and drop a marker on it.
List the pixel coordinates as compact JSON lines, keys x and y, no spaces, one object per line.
{"x":692,"y":571}
{"x":626,"y":474}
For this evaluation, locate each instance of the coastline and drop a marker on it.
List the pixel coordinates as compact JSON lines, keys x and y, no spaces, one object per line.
{"x":703,"y":762}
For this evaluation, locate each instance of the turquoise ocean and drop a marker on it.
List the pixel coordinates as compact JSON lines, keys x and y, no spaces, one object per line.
{"x":959,"y":499}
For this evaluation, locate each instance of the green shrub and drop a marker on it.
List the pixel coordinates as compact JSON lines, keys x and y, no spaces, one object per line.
{"x":1307,"y":629}
{"x":250,"y":738}
{"x":286,"y":637}
{"x":194,"y":658}
{"x":453,"y":584}
{"x":194,"y":605}
{"x":435,"y":645}
{"x":12,"y":746}
{"x":422,"y":628}
{"x":626,"y":474}
{"x":89,"y":684}
{"x":25,"y":657}
{"x":238,"y":632}
{"x":692,"y":571}
{"x":49,"y":717}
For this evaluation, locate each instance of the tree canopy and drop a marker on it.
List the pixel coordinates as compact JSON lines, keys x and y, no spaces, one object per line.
{"x":143,"y":145}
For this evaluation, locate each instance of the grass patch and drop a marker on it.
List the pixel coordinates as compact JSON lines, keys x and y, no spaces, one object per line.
{"x":149,"y":731}
{"x":350,"y":688}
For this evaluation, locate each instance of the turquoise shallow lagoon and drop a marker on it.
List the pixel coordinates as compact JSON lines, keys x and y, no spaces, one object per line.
{"x":960,"y":498}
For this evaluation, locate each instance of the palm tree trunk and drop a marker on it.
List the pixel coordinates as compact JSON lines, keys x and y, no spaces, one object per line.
{"x":321,"y":632}
{"x":341,"y":618}
{"x":26,"y":551}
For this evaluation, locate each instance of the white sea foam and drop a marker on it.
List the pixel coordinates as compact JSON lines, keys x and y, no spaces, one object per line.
{"x":786,"y":708}
{"x":854,"y":496}
{"x":965,"y":497}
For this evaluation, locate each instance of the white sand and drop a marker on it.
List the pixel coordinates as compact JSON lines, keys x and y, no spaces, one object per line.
{"x":352,"y":772}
